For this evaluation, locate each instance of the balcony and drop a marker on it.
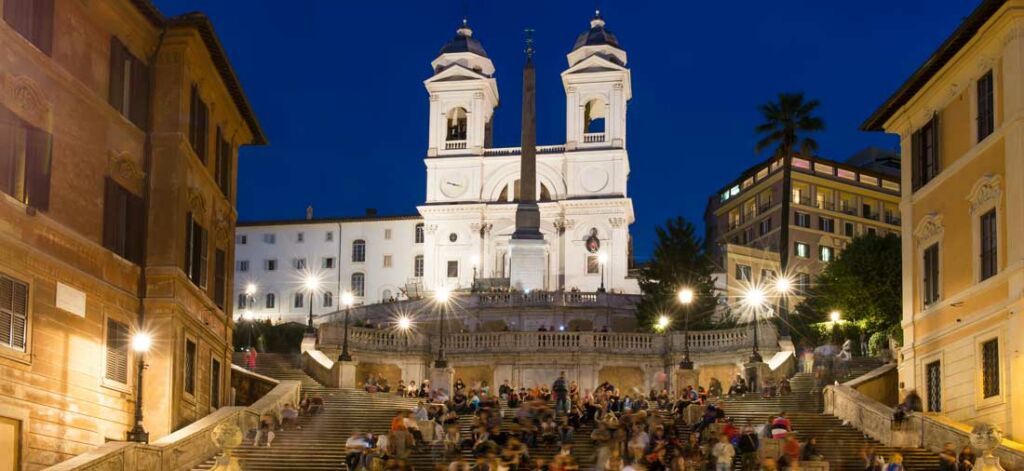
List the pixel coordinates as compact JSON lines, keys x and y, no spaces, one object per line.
{"x":848,"y":210}
{"x":593,"y":137}
{"x":803,"y":201}
{"x":872,"y":216}
{"x":763,"y":208}
{"x":893,"y":219}
{"x":827,"y":205}
{"x":454,"y":145}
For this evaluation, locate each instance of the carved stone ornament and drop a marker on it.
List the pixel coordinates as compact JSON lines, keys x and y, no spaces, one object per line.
{"x":23,"y":96}
{"x":227,"y":436}
{"x":616,"y":222}
{"x":929,"y":228}
{"x":123,"y":168}
{"x":196,"y":201}
{"x":985,"y":191}
{"x":222,"y":227}
{"x":430,"y":229}
{"x":984,"y":439}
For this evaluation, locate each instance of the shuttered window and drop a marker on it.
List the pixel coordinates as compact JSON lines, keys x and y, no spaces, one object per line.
{"x":198,"y":124}
{"x":13,"y":313}
{"x":924,"y":153}
{"x":195,"y":251}
{"x":990,"y":368}
{"x":223,"y":162}
{"x":25,"y":159}
{"x":117,"y":351}
{"x":190,"y":367}
{"x":129,"y":84}
{"x":220,"y":277}
{"x":930,"y":277}
{"x":123,"y":218}
{"x":215,"y":384}
{"x":33,"y":19}
{"x":986,"y":107}
{"x":989,"y":259}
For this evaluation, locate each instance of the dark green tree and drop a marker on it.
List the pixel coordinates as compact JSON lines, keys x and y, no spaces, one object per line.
{"x":678,"y":261}
{"x":787,"y":123}
{"x":864,"y":283}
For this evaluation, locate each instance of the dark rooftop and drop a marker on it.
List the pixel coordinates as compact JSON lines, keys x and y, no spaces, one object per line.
{"x":464,"y":42}
{"x":597,"y":35}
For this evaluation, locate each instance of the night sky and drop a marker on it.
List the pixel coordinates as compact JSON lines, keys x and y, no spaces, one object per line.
{"x":337,"y":86}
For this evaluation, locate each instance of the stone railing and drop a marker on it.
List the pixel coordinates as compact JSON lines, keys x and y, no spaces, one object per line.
{"x":316,"y":364}
{"x":248,"y":386}
{"x":185,"y":448}
{"x":376,"y":340}
{"x":919,"y":430}
{"x":548,"y":149}
{"x":593,"y":137}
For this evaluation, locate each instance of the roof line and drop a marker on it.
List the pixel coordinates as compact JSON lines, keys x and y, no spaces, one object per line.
{"x":327,"y":220}
{"x":949,"y":48}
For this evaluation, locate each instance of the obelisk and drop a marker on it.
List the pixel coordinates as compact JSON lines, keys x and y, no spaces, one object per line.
{"x":528,"y":249}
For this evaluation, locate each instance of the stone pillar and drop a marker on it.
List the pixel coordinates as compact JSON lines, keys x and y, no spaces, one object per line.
{"x":684,"y":378}
{"x":442,"y":378}
{"x":345,"y":374}
{"x":755,"y":373}
{"x":529,"y":264}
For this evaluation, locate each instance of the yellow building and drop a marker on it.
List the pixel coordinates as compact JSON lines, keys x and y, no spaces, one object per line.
{"x":959,"y":121}
{"x":118,"y":136}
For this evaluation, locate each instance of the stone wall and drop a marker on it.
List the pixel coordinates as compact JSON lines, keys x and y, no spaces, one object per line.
{"x":881,"y":385}
{"x":393,"y":373}
{"x":626,"y":378}
{"x":471,"y":375}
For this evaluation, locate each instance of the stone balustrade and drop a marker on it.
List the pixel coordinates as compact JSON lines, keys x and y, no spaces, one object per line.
{"x":185,"y":448}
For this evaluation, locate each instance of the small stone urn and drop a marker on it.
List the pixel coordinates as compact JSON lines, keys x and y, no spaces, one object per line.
{"x":984,"y":439}
{"x":227,"y":436}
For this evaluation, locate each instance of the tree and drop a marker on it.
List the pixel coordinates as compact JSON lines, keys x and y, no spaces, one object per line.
{"x":864,"y":283}
{"x":678,"y":262}
{"x":786,"y":124}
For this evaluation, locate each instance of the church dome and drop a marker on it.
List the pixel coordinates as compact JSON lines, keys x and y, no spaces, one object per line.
{"x":597,"y":35}
{"x":464,"y":42}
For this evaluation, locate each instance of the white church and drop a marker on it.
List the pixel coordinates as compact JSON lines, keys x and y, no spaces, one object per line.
{"x":460,"y":240}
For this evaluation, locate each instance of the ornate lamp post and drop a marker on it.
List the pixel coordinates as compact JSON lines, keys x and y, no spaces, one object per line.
{"x":247,"y":315}
{"x":140,"y":343}
{"x":475,"y":261}
{"x":311,"y":284}
{"x":602,"y":259}
{"x":346,"y":300}
{"x":404,"y":325}
{"x":686,"y":298}
{"x":755,"y":300}
{"x":441,"y":298}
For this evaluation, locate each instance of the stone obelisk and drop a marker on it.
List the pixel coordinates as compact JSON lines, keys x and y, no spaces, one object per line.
{"x":528,"y":249}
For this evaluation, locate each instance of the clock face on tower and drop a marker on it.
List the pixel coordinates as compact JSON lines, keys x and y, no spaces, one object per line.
{"x":454,"y":185}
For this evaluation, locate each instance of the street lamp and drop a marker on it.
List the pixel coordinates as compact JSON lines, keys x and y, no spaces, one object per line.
{"x":783,"y":287}
{"x":475,"y":261}
{"x":405,"y":327}
{"x":346,"y":300}
{"x":311,"y":284}
{"x":686,"y":298}
{"x":441,"y":298}
{"x":247,"y":317}
{"x":755,"y":299}
{"x":140,"y":343}
{"x":602,"y":259}
{"x":836,"y":318}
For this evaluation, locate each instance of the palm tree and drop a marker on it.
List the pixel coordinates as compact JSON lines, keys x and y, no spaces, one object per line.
{"x":786,"y":122}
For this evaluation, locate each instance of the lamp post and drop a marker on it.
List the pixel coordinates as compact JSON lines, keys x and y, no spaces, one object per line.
{"x":475,"y":261}
{"x":441,"y":297}
{"x":836,"y":317}
{"x":405,"y":327}
{"x":685,"y":298}
{"x":247,"y":315}
{"x":346,"y":300}
{"x":140,"y":343}
{"x":312,"y":284}
{"x":602,"y":259}
{"x":755,"y":299}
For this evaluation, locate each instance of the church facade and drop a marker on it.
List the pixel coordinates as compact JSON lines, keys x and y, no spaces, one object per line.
{"x":462,"y":235}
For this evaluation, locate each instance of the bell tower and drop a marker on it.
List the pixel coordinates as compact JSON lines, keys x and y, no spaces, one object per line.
{"x":597,"y":87}
{"x":463,"y":95}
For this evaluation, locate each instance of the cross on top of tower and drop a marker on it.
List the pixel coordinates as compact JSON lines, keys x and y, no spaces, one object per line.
{"x":529,"y":43}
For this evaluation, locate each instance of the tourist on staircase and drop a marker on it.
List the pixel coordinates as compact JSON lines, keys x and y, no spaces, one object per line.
{"x":966,"y":459}
{"x":748,"y":444}
{"x":724,"y":453}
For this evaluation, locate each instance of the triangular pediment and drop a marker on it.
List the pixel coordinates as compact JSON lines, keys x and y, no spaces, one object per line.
{"x":456,"y":72}
{"x":594,"y":63}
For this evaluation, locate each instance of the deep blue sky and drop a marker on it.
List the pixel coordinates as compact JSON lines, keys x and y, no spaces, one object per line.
{"x":337,"y":86}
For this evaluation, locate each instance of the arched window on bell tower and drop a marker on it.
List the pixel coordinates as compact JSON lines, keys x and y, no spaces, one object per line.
{"x":457,"y":124}
{"x":593,"y":120}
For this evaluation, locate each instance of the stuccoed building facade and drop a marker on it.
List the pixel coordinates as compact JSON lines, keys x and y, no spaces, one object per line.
{"x":119,"y":130}
{"x":963,"y":225}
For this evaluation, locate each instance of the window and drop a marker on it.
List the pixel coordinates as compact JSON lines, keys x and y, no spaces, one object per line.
{"x":767,"y":276}
{"x":765,"y":226}
{"x":328,"y":299}
{"x":215,"y":384}
{"x":453,"y":268}
{"x":872,"y":231}
{"x":270,"y":265}
{"x":241,"y":239}
{"x":930,"y":273}
{"x":195,"y":251}
{"x":803,"y":282}
{"x":223,"y":169}
{"x":243,"y":301}
{"x":330,"y":236}
{"x":328,"y":263}
{"x":33,"y":20}
{"x":925,"y":153}
{"x":803,"y":250}
{"x":123,"y":219}
{"x":190,"y":367}
{"x":986,"y":107}
{"x":359,"y":250}
{"x":802,"y":219}
{"x":129,"y":84}
{"x":271,"y":301}
{"x":456,"y":124}
{"x":933,"y":381}
{"x":358,"y":284}
{"x":387,"y":261}
{"x":743,"y":272}
{"x":990,"y":368}
{"x":269,"y":238}
{"x":197,"y":124}
{"x":593,"y":265}
{"x":243,"y":265}
{"x":387,"y":234}
{"x":848,"y":229}
{"x":300,"y":237}
{"x":826,"y":253}
{"x":417,"y":266}
{"x":117,"y":351}
{"x":300,"y":264}
{"x":826,"y":224}
{"x":24,"y":158}
{"x":298,"y":300}
{"x":989,"y":261}
{"x":220,"y":277}
{"x":419,"y":233}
